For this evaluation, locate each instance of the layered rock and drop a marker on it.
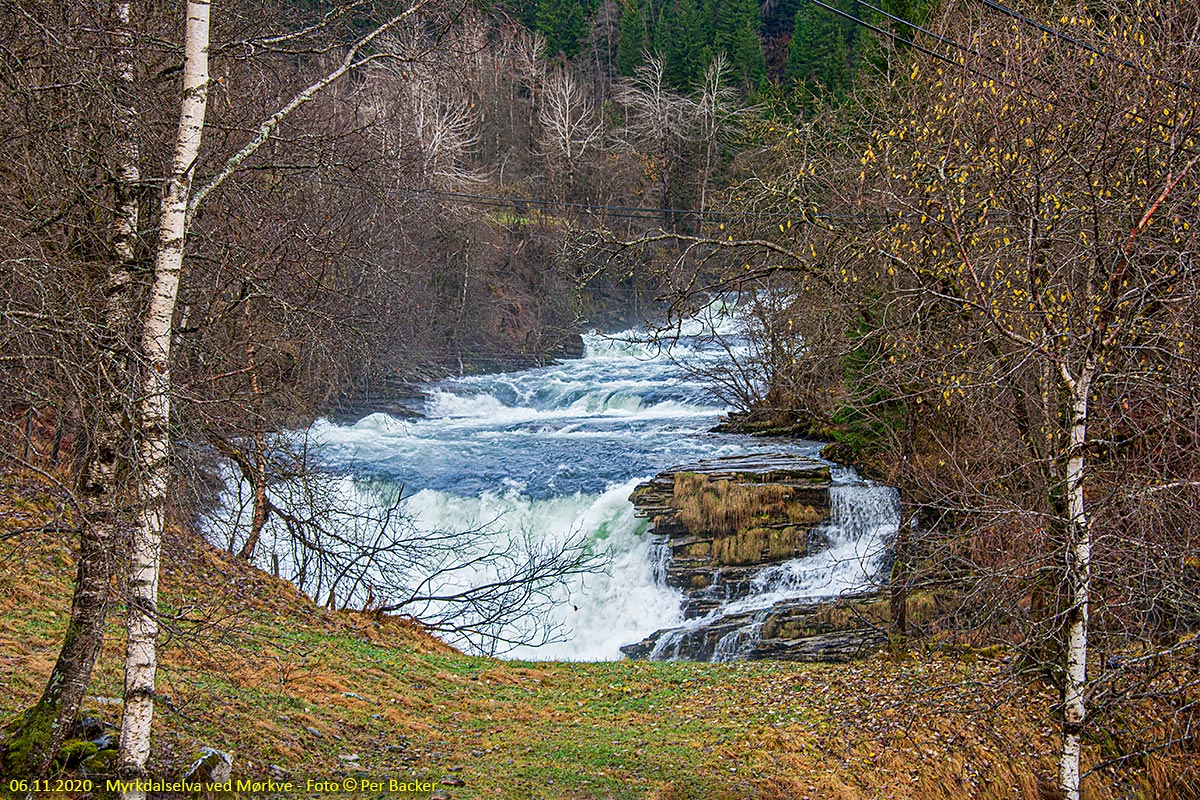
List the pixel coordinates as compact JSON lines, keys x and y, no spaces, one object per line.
{"x":723,"y":522}
{"x":791,"y":630}
{"x":725,"y":519}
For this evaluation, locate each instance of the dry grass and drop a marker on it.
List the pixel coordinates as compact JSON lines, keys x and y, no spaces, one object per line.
{"x":726,"y":507}
{"x":252,"y":667}
{"x":746,"y":522}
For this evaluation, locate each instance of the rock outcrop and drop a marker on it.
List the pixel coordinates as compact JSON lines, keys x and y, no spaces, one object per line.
{"x":723,"y":522}
{"x":725,"y":519}
{"x":828,"y":631}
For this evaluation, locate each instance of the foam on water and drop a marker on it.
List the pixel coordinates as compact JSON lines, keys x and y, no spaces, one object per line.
{"x":554,"y":452}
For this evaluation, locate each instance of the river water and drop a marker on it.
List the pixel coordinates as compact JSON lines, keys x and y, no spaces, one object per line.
{"x":553,"y":453}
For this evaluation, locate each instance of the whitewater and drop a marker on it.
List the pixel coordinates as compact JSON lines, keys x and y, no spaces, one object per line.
{"x":555,"y":452}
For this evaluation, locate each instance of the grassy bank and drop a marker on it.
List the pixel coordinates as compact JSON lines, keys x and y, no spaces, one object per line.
{"x":296,"y":691}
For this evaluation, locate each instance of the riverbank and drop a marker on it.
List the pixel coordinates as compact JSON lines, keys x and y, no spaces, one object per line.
{"x":293,"y":691}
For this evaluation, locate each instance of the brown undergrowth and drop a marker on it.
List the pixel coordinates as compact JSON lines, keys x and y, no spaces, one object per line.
{"x":293,"y":689}
{"x":727,"y":507}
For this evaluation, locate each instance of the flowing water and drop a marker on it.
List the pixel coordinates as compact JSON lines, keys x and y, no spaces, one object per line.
{"x":850,"y":547}
{"x":554,"y":452}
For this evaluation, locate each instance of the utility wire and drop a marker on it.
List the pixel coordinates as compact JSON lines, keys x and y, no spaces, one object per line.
{"x":891,"y":34}
{"x":1082,"y":44}
{"x":641,"y":213}
{"x":960,"y":64}
{"x":618,"y":211}
{"x":963,"y":65}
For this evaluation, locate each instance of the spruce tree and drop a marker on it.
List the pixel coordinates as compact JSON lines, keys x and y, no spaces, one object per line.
{"x":736,"y":25}
{"x":819,"y":55}
{"x":687,"y":37}
{"x":561,"y":23}
{"x":631,"y":50}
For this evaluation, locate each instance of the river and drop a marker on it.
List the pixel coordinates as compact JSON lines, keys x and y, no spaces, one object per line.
{"x":553,"y":453}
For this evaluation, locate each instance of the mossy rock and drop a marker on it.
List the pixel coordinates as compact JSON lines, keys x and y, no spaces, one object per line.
{"x":211,"y":766}
{"x":839,"y":452}
{"x":76,"y":751}
{"x":102,"y":763}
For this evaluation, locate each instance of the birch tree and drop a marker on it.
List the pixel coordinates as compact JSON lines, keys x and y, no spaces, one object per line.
{"x":141,"y":657}
{"x":179,"y":204}
{"x":1011,"y":259}
{"x":1042,"y":252}
{"x":32,"y":746}
{"x":656,"y":128}
{"x":714,"y":109}
{"x":568,"y":126}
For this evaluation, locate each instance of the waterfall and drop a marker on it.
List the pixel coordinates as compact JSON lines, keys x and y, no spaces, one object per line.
{"x":848,"y":551}
{"x":554,"y":452}
{"x":741,"y":640}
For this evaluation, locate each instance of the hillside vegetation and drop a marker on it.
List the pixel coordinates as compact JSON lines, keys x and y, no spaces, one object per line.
{"x":295,"y":691}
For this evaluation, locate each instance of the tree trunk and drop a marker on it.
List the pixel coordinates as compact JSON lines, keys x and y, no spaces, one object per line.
{"x":1079,"y":586}
{"x":258,"y":478}
{"x":898,"y":586}
{"x":141,"y":658}
{"x":33,"y":745}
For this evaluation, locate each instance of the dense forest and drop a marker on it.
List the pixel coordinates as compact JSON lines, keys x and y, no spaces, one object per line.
{"x":961,"y":239}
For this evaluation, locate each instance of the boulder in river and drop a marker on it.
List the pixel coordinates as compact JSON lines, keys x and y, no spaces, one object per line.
{"x":740,"y":533}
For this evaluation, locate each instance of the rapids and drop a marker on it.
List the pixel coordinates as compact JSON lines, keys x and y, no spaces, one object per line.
{"x":554,"y":452}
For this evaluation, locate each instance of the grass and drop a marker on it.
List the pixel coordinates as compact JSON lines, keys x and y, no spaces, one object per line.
{"x":747,"y":520}
{"x":255,"y":669}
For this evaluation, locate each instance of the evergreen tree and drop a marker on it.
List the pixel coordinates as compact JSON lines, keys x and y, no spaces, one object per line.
{"x":736,"y":25}
{"x":687,"y":36}
{"x":631,"y":51}
{"x":561,"y":22}
{"x":819,"y":62}
{"x":660,"y":30}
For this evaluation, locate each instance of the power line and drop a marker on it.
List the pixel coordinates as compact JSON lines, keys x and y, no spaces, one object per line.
{"x":891,"y":34}
{"x":643,"y":213}
{"x":637,"y":210}
{"x":940,"y":57}
{"x":632,"y":212}
{"x":963,"y":65}
{"x":1084,"y":45}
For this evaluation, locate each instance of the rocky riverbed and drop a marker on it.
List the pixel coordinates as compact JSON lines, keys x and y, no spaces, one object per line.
{"x":776,"y":555}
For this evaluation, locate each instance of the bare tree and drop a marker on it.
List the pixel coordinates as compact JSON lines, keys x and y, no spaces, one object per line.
{"x":101,"y":496}
{"x":656,"y":130}
{"x":1055,"y":285}
{"x":1008,"y":247}
{"x":714,"y":110}
{"x":350,"y":545}
{"x":141,"y":657}
{"x":179,"y":203}
{"x":568,"y":126}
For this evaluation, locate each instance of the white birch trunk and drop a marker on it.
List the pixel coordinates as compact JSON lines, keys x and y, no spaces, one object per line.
{"x":153,"y":464}
{"x":48,"y":724}
{"x":1079,"y":584}
{"x":152,"y":461}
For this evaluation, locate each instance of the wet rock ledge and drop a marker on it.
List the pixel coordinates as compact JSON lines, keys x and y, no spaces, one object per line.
{"x":832,"y":631}
{"x":725,"y":519}
{"x":722,"y":522}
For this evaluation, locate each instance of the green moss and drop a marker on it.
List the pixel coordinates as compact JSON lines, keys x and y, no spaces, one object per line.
{"x":75,"y":751}
{"x":102,"y":763}
{"x":25,"y":740}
